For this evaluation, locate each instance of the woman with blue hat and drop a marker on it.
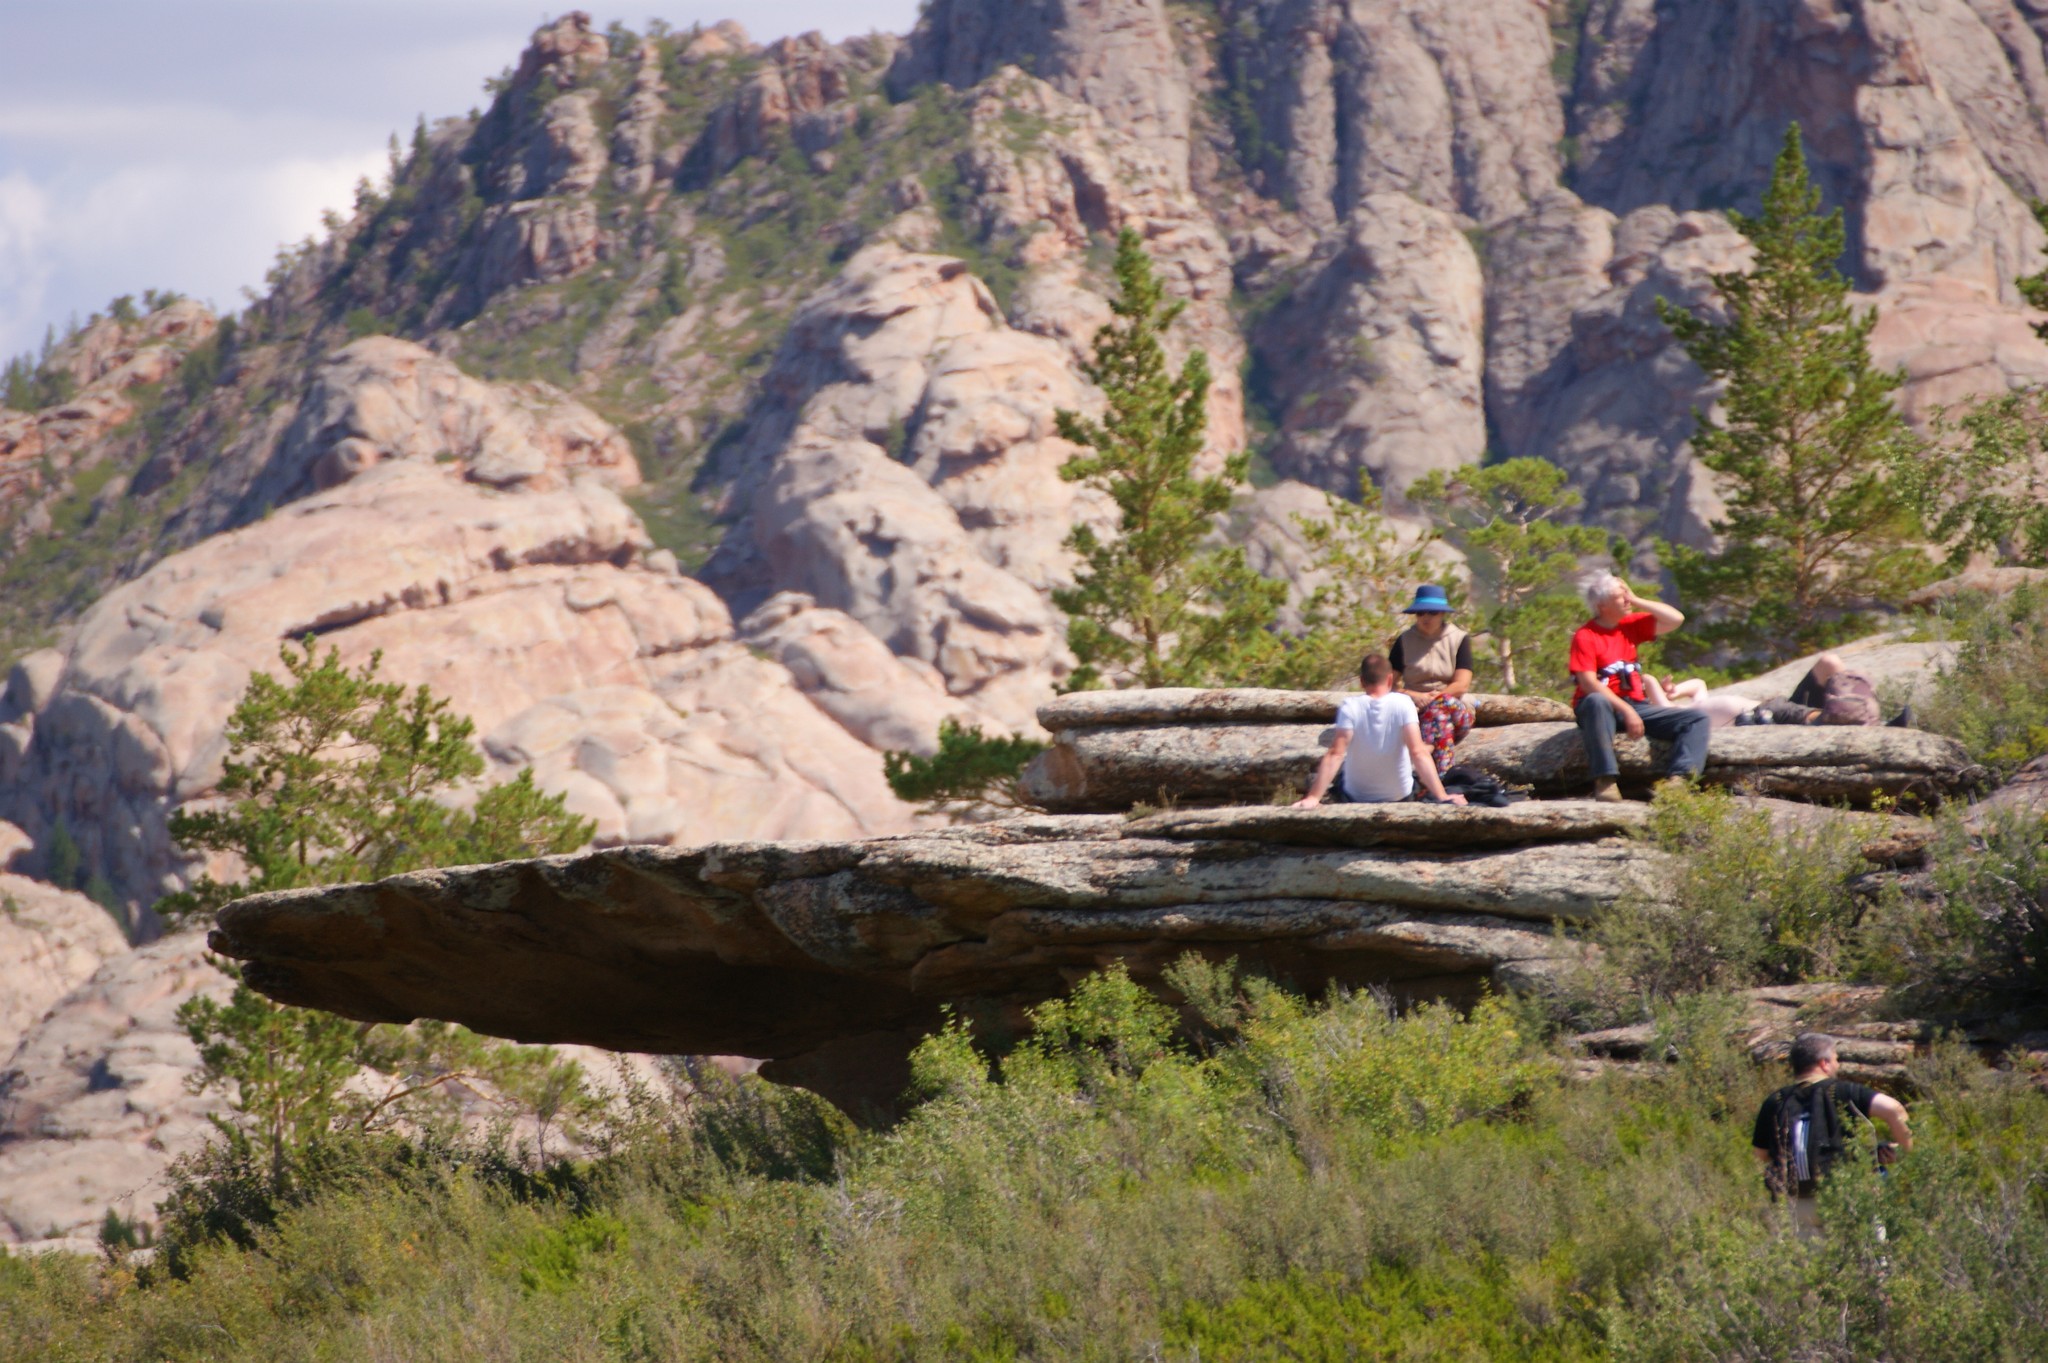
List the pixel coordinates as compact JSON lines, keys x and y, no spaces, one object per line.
{"x":1432,"y":661}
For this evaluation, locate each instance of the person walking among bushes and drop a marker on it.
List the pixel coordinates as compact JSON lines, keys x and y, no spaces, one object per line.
{"x":1610,"y":691}
{"x":1432,"y":662}
{"x":1801,"y":1131}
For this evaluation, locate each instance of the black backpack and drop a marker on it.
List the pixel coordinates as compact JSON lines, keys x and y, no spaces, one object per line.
{"x":1807,"y":1140}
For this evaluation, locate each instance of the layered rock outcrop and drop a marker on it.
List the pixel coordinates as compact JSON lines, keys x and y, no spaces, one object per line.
{"x":1256,"y":747}
{"x":99,"y":370}
{"x":830,"y":958}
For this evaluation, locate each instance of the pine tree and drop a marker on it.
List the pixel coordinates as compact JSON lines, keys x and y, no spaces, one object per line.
{"x":1157,"y":605}
{"x":335,"y":776}
{"x":1988,"y":493}
{"x":969,"y":770}
{"x":1523,"y":560}
{"x":1365,"y":575}
{"x":1813,"y":529}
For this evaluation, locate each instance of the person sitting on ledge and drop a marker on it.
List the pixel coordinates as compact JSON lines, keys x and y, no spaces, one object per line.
{"x":1377,"y":753}
{"x":1432,"y":661}
{"x":1610,"y":687}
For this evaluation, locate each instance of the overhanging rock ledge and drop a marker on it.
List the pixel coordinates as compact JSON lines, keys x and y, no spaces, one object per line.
{"x":830,"y":958}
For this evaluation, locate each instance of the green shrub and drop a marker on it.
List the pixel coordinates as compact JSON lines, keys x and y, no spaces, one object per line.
{"x":969,"y":769}
{"x":1994,"y":698}
{"x":1105,"y":1193}
{"x":1978,"y":936}
{"x":1746,"y":905}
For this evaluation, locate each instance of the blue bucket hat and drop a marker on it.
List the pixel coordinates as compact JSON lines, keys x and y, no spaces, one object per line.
{"x":1428,"y":597}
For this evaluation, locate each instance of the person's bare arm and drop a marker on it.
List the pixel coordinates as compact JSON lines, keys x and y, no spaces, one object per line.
{"x":1631,"y":722}
{"x":1461,"y":682}
{"x":1425,"y":764}
{"x":1669,"y":619}
{"x":1326,"y":770}
{"x":1892,"y":1113}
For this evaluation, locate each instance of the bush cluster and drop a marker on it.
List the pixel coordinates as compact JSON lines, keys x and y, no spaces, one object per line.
{"x":1319,"y":1180}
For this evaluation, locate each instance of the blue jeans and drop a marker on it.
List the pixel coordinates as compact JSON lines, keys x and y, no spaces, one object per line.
{"x":1685,"y":730}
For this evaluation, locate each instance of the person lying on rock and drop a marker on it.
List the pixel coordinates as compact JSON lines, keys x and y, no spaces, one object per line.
{"x":1610,"y":693}
{"x":1432,"y":661}
{"x":1722,"y":708}
{"x":1830,"y":693}
{"x":1377,"y":753}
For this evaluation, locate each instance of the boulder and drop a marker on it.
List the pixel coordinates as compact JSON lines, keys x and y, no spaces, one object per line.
{"x":789,"y":950}
{"x":51,"y":941}
{"x":1902,"y":669}
{"x":532,"y":611}
{"x":1817,"y":763}
{"x":94,"y":1104}
{"x":1113,"y":769}
{"x":2026,"y":791}
{"x":2002,"y":581}
{"x":97,"y":1100}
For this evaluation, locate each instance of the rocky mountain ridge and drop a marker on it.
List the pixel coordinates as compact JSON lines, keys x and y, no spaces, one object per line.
{"x":811,"y":307}
{"x":687,"y":415}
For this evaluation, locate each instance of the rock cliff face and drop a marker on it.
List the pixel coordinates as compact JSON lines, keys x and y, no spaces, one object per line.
{"x":51,"y":940}
{"x":812,"y":308}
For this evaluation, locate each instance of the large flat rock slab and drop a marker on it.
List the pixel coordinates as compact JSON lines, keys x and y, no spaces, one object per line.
{"x":788,"y":951}
{"x":1819,"y":763}
{"x":1256,"y":705}
{"x":1161,"y":765}
{"x":1442,"y":827}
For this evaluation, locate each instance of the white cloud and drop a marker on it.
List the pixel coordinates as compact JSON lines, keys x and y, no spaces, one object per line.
{"x":24,"y":259}
{"x":179,"y":146}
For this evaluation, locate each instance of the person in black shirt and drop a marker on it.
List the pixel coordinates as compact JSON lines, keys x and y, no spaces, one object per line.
{"x":1799,"y":1134}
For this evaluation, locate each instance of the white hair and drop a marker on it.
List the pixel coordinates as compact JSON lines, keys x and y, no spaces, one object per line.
{"x":1601,"y":586}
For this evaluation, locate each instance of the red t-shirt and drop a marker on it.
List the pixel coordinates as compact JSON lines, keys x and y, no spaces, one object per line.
{"x":1612,"y":654}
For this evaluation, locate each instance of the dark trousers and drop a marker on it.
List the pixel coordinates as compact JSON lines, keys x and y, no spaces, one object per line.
{"x":1685,"y":730}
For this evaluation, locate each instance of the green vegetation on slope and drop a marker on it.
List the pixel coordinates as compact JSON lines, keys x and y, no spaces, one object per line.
{"x":1318,"y":1181}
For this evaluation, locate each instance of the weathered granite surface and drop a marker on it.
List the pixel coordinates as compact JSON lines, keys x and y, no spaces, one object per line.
{"x":1257,"y":705}
{"x":829,"y":959}
{"x":1819,"y":763}
{"x":1118,"y":767}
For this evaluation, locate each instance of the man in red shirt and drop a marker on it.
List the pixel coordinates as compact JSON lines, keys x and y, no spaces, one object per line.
{"x":1610,"y":685}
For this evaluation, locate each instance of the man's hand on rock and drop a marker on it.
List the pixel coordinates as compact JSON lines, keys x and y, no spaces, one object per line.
{"x":1631,"y":722}
{"x":1308,"y":802}
{"x":1452,"y":798}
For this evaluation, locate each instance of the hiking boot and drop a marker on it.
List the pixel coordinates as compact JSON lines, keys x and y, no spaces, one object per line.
{"x":1671,"y":784}
{"x":1607,"y":788}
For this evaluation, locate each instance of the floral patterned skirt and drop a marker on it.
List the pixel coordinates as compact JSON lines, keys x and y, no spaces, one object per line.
{"x":1445,"y":720}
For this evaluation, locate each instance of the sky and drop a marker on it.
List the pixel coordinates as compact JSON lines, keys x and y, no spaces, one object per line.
{"x":177,"y":144}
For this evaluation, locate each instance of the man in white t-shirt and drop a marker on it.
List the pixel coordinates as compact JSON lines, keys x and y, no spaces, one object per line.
{"x":1377,"y":752}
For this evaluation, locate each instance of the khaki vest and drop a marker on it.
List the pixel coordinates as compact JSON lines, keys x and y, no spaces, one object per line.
{"x":1429,"y":663}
